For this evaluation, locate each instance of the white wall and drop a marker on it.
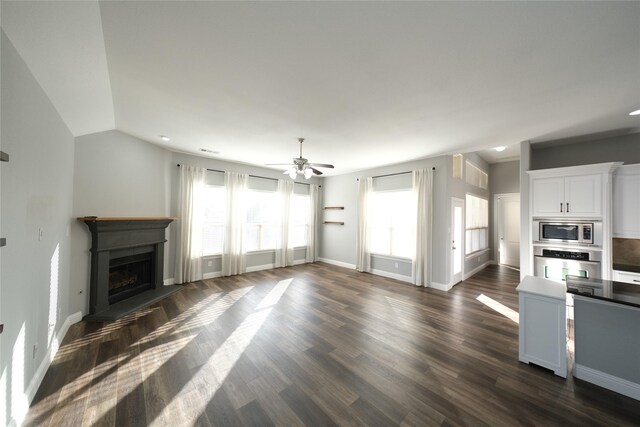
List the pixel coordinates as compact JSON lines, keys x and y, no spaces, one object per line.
{"x":556,"y":154}
{"x":338,"y":242}
{"x":116,"y":175}
{"x":36,"y":194}
{"x":504,"y":178}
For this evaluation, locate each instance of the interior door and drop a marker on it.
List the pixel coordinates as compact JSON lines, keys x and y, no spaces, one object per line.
{"x":508,"y":211}
{"x":457,"y":240}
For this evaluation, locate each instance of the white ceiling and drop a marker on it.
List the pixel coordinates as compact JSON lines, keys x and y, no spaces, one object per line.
{"x":367,"y":83}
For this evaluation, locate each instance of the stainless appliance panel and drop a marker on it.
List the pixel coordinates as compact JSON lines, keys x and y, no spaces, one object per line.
{"x":558,"y":269}
{"x":564,"y":231}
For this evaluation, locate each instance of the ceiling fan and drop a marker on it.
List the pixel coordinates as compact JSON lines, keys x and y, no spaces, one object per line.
{"x":301,"y":166}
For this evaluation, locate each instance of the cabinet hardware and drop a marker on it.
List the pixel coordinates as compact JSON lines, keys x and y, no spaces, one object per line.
{"x":3,"y":242}
{"x":560,"y":207}
{"x":567,"y":207}
{"x":1,"y":327}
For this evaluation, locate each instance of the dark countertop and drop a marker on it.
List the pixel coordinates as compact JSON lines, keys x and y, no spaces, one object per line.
{"x":605,"y":290}
{"x":627,"y":267}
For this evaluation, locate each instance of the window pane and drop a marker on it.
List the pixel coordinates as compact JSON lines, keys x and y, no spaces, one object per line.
{"x":212,"y":235}
{"x":269,"y":236}
{"x":477,"y":224}
{"x":252,"y":238}
{"x":299,"y":235}
{"x":213,"y":226}
{"x":391,"y":225}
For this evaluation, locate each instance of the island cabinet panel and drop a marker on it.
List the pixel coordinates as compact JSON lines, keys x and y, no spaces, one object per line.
{"x":543,"y":324}
{"x":607,"y":344}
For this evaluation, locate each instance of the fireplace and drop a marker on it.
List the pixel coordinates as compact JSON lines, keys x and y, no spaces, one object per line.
{"x":127,"y":256}
{"x":130,"y":275}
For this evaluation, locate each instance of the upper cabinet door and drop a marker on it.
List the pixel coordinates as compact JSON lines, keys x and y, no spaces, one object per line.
{"x":548,"y":197}
{"x":583,"y":196}
{"x":626,"y":202}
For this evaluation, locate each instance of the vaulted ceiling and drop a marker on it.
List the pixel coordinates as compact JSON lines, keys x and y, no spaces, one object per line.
{"x":366,"y":83}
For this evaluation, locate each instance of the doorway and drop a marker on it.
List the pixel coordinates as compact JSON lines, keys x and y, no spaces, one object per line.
{"x":507,"y":226}
{"x":457,"y":240}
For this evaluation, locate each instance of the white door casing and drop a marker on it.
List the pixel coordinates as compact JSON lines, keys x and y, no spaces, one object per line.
{"x":457,"y":240}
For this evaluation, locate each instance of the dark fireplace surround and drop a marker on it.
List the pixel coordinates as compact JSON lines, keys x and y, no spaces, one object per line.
{"x":127,"y":258}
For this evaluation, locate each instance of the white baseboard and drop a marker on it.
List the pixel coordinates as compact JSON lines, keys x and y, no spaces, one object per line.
{"x":299,"y":261}
{"x":607,"y":381}
{"x":396,"y":276}
{"x":475,"y":270}
{"x":169,"y":282}
{"x":441,"y":286}
{"x":37,"y":378}
{"x":338,"y":263}
{"x":212,"y":275}
{"x":260,"y":267}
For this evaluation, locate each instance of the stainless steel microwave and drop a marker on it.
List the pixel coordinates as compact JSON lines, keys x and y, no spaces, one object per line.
{"x":578,"y":232}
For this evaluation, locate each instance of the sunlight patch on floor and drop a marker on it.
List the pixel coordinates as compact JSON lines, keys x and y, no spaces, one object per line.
{"x":153,"y":358}
{"x":499,"y":307}
{"x":210,"y":377}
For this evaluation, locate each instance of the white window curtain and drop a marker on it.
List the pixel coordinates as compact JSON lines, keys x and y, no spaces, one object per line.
{"x":284,"y":251}
{"x":312,"y":228}
{"x":363,"y":252}
{"x":233,"y":253}
{"x":191,"y":189}
{"x":422,"y":190}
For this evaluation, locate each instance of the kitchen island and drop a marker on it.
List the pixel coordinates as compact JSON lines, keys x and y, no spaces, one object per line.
{"x":607,"y":334}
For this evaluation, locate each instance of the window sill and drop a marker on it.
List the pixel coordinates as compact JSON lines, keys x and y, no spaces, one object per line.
{"x":391,"y":257}
{"x":476,"y":253}
{"x":262,"y":251}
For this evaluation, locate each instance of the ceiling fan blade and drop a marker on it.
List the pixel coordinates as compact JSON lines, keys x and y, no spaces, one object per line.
{"x":316,"y":171}
{"x":279,"y":164}
{"x":321,"y":165}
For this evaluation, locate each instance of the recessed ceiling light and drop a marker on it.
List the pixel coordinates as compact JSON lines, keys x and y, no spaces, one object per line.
{"x":165,"y":138}
{"x":205,"y":150}
{"x":635,"y":113}
{"x":501,"y":148}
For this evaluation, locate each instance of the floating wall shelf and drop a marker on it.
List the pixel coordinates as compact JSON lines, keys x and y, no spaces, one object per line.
{"x":333,"y":207}
{"x":334,"y":222}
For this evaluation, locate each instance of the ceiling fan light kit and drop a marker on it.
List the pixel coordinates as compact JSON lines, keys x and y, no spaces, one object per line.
{"x":301,"y":166}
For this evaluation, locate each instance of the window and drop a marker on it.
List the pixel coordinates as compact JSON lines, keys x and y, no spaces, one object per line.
{"x":213,"y":223}
{"x":457,"y":166}
{"x":477,"y":224}
{"x":392,"y":216}
{"x":263,"y":220}
{"x":476,"y":176}
{"x":300,"y":213}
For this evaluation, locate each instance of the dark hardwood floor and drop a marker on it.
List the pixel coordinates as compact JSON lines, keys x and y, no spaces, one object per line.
{"x":316,"y":345}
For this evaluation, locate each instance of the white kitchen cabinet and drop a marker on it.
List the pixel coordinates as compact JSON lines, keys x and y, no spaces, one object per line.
{"x":571,"y":196}
{"x":543,"y":324}
{"x":626,"y":202}
{"x":627,"y":277}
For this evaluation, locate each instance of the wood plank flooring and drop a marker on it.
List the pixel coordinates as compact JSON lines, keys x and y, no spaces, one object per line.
{"x":315,"y":345}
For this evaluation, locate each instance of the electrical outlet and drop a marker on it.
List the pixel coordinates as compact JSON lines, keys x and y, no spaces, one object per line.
{"x":478,"y":259}
{"x":396,"y":265}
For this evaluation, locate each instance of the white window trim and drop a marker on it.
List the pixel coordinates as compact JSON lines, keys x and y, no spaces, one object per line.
{"x":477,"y":253}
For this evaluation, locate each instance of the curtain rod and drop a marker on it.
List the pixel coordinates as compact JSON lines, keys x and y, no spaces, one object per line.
{"x":393,"y":174}
{"x":258,"y":176}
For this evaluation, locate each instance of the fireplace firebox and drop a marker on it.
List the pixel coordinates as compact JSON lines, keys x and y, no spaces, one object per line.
{"x":127,"y":256}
